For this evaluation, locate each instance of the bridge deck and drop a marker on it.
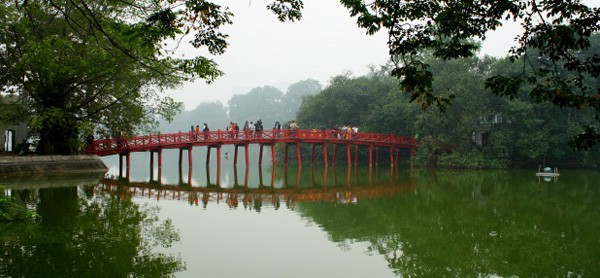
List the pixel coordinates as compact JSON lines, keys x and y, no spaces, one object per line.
{"x":185,"y":140}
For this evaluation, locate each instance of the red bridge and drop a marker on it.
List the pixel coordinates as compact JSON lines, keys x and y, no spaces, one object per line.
{"x":215,"y":139}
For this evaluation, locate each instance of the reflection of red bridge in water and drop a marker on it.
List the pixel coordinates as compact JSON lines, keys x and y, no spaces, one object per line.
{"x":255,"y":196}
{"x":215,"y":139}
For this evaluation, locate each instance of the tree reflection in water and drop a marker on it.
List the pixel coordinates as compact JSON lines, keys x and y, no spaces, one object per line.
{"x":84,"y":236}
{"x":476,"y":224}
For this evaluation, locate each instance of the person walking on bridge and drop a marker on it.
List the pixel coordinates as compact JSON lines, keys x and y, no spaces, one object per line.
{"x":252,"y":128}
{"x":246,"y":130}
{"x":277,"y":129}
{"x":294,"y":128}
{"x":205,"y":130}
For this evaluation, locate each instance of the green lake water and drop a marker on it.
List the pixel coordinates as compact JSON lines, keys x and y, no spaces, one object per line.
{"x":307,"y":222}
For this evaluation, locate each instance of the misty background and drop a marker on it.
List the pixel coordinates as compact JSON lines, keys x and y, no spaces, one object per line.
{"x":270,"y":62}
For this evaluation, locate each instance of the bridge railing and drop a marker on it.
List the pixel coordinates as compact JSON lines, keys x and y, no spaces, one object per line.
{"x":183,"y":139}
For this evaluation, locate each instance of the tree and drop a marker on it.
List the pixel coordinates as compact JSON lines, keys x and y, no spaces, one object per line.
{"x":48,"y":47}
{"x":212,"y":113}
{"x":295,"y":94}
{"x":76,"y":64}
{"x":260,"y":103}
{"x":479,"y":130}
{"x":343,"y":102}
{"x":553,"y":49}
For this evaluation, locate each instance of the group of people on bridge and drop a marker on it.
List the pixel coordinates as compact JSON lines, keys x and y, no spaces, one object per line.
{"x":250,"y":130}
{"x":196,"y":131}
{"x":253,"y":129}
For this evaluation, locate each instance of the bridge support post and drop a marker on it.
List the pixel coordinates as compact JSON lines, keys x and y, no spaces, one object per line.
{"x":120,"y":165}
{"x":325,"y":177}
{"x":391,"y":157}
{"x":356,"y":155}
{"x":208,"y":175}
{"x":348,"y":154}
{"x":180,"y":161}
{"x":219,"y":163}
{"x":298,"y":175}
{"x":412,"y":158}
{"x":325,"y":155}
{"x":246,"y":176}
{"x":376,"y":156}
{"x":151,"y":165}
{"x":285,"y":154}
{"x":312,"y":156}
{"x":128,"y":159}
{"x":159,"y":165}
{"x":370,"y":156}
{"x":298,"y":156}
{"x":273,"y":176}
{"x":218,"y":155}
{"x":235,"y":177}
{"x":260,"y":154}
{"x":397,"y":157}
{"x":334,"y":159}
{"x":235,"y":153}
{"x":208,"y":155}
{"x":190,"y":165}
{"x":273,"y":157}
{"x":247,"y":157}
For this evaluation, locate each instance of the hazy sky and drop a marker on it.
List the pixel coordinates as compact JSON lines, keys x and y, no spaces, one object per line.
{"x":326,"y":42}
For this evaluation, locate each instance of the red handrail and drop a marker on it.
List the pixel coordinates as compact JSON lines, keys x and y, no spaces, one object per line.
{"x":186,"y":139}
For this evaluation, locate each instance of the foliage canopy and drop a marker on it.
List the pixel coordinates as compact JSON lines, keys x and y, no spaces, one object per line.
{"x":76,"y":64}
{"x":553,"y":50}
{"x":100,"y":62}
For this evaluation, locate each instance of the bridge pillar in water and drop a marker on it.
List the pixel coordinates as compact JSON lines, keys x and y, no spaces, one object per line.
{"x":218,"y":156}
{"x":312,"y":155}
{"x":348,"y":154}
{"x":219,"y":163}
{"x":412,"y":157}
{"x":273,"y":157}
{"x":151,"y":165}
{"x":370,"y":156}
{"x":159,"y":165}
{"x":127,"y":164}
{"x":235,"y":155}
{"x":190,"y":165}
{"x":391,"y":156}
{"x":298,"y":156}
{"x":285,"y":154}
{"x":325,"y":155}
{"x":247,"y":156}
{"x":376,"y":156}
{"x":260,"y":153}
{"x":180,"y":164}
{"x":159,"y":152}
{"x":120,"y":165}
{"x":334,"y":158}
{"x":208,"y":155}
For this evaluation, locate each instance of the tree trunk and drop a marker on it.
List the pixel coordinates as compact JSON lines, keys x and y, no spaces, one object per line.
{"x":58,"y":140}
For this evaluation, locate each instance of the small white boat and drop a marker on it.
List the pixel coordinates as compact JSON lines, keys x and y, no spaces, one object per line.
{"x":547,"y":172}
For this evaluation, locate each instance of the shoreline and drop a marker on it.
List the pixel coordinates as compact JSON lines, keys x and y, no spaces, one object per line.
{"x":50,"y":164}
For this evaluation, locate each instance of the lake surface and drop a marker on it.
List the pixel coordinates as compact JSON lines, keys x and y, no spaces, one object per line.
{"x":307,"y":222}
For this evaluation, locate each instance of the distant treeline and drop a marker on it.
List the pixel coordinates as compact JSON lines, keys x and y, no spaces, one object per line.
{"x":479,"y":129}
